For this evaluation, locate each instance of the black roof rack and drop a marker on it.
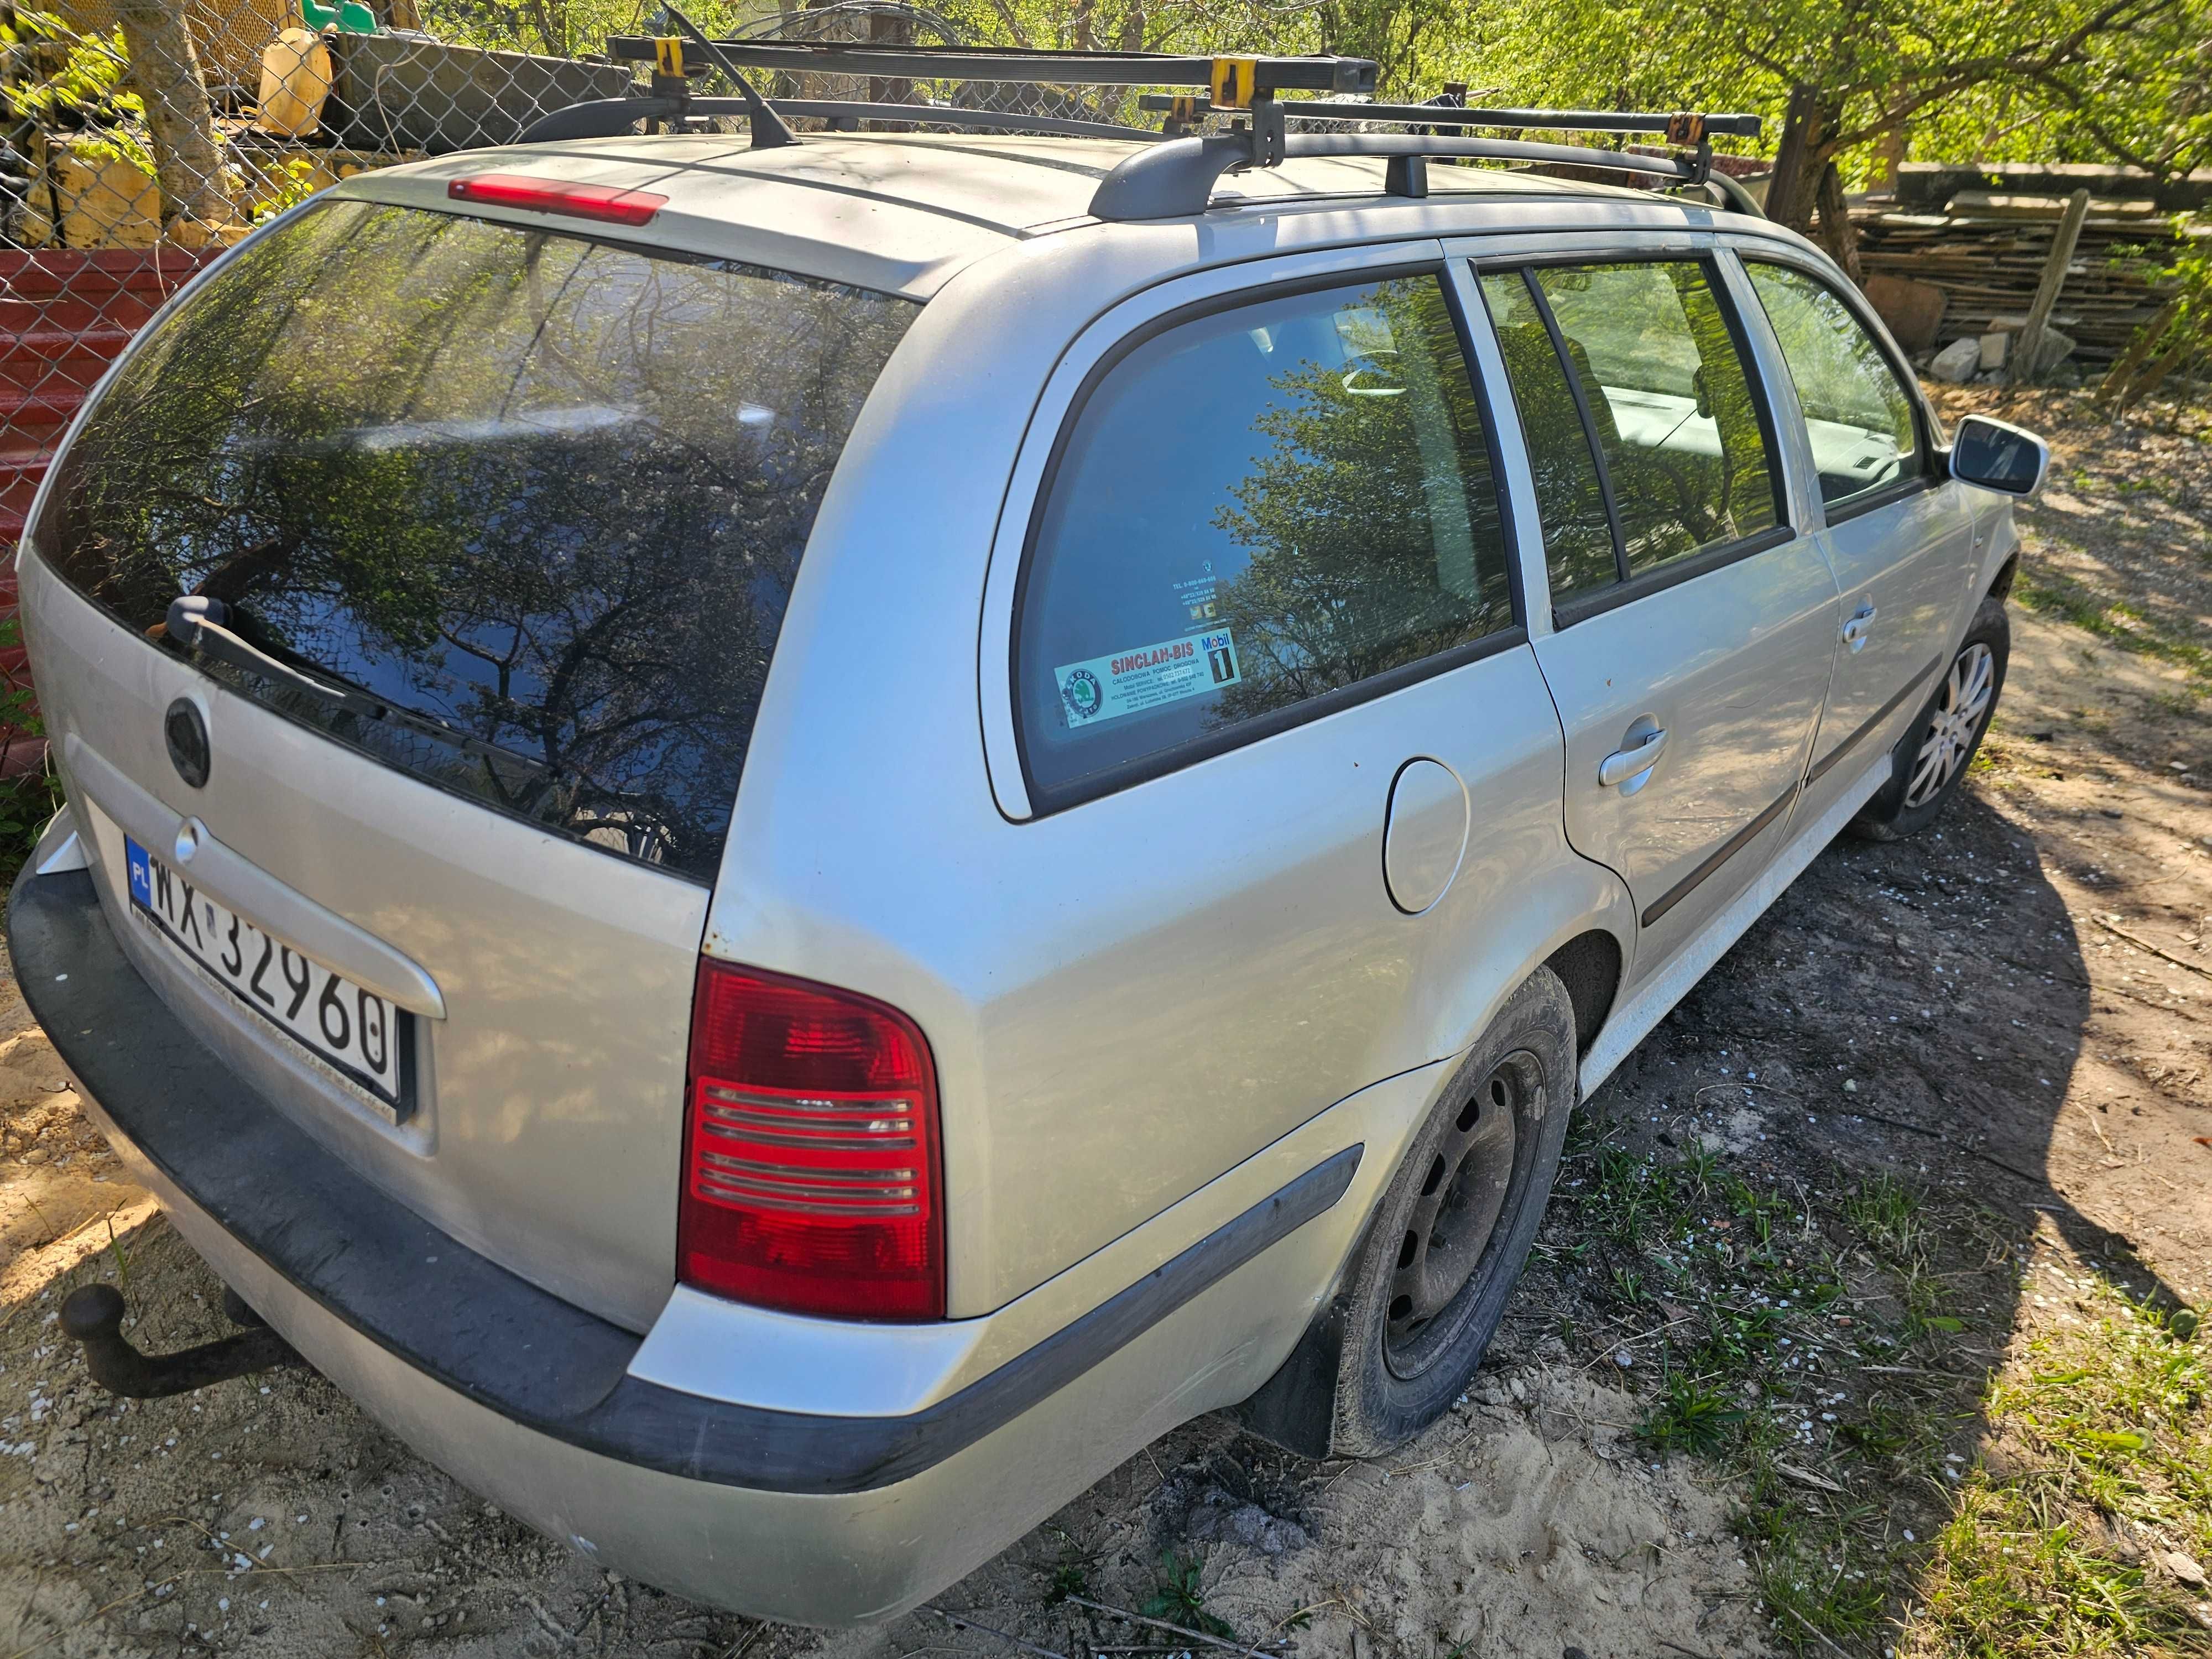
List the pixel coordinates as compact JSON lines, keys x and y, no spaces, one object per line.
{"x":1265,"y":76}
{"x":1176,"y":176}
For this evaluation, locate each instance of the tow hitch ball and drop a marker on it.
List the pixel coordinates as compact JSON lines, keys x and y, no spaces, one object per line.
{"x":93,"y":1314}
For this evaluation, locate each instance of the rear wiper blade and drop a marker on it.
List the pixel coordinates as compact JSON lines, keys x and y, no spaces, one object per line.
{"x":200,"y":624}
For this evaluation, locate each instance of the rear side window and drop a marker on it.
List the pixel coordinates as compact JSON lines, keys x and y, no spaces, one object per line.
{"x":1857,"y":412}
{"x":541,"y":498}
{"x":1254,"y":510}
{"x":1647,"y":357}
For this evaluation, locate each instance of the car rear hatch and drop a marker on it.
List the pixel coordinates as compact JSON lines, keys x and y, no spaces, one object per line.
{"x":483,"y":534}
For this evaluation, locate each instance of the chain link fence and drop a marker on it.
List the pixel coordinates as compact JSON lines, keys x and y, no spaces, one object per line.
{"x":139,"y":138}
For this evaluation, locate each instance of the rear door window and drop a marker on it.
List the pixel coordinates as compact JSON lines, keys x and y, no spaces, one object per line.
{"x":1675,"y":448}
{"x":1857,"y":412}
{"x":538,"y":500}
{"x":1255,"y":513}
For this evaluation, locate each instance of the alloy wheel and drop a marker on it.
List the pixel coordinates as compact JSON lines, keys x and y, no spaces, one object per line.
{"x":1958,"y":719}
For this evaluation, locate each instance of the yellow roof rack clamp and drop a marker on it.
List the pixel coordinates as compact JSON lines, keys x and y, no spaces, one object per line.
{"x":668,"y":54}
{"x":1232,"y":81}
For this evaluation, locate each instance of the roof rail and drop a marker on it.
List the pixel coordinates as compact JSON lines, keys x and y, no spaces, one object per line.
{"x":1681,"y":127}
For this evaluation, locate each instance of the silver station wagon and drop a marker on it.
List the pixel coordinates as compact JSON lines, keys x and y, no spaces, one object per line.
{"x":784,"y":841}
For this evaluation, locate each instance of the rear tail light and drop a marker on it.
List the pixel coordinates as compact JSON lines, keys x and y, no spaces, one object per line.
{"x":810,"y":1176}
{"x":520,"y":189}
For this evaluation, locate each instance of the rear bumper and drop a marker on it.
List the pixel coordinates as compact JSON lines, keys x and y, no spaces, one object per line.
{"x":809,"y":1518}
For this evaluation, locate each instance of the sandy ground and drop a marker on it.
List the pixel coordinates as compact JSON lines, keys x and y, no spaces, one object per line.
{"x":2019,"y":1004}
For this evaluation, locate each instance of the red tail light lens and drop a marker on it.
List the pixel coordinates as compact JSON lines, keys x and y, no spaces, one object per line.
{"x":809,"y":1151}
{"x":601,"y":201}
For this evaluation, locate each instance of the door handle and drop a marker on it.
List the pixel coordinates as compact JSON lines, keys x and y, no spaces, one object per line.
{"x":1622,"y":764}
{"x":1859,"y":626}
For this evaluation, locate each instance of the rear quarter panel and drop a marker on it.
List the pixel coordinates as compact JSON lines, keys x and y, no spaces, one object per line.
{"x":1130,"y":997}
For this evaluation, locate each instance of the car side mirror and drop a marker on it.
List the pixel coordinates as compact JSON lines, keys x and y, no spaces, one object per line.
{"x":1998,"y":455}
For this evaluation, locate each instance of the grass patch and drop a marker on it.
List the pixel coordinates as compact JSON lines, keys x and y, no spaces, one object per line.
{"x":1817,"y":1344}
{"x":2065,"y":1544}
{"x":2115,"y":621}
{"x":1804,"y":1339}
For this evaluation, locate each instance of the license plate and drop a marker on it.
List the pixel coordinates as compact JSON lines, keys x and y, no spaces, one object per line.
{"x":342,"y":1023}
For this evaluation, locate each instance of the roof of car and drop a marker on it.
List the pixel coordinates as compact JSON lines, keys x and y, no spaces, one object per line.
{"x":896,"y":211}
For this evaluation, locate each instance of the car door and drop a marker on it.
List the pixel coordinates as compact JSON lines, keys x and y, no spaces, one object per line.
{"x":1691,"y":625}
{"x":1278,"y":762}
{"x":1900,"y":536}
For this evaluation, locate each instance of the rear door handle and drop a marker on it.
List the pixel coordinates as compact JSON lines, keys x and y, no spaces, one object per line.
{"x":1622,"y":764}
{"x":1859,"y":626}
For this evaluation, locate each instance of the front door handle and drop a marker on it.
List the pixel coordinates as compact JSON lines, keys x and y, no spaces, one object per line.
{"x":1860,"y":625}
{"x":1622,"y":764}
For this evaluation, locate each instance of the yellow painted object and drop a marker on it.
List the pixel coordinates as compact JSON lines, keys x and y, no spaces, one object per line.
{"x":295,"y":80}
{"x":106,"y":200}
{"x":1232,"y":81}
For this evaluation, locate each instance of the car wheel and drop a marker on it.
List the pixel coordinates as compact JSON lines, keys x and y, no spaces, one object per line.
{"x":1930,"y":765}
{"x":1446,"y":1242}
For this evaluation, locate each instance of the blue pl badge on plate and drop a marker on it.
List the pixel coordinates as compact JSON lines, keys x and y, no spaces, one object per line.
{"x":141,"y":874}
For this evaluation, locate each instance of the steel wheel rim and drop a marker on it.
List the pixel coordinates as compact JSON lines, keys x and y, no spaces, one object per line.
{"x":1476,"y":1187}
{"x":1957,"y":721}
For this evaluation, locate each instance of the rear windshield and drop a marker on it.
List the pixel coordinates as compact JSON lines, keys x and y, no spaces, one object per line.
{"x":537,"y":501}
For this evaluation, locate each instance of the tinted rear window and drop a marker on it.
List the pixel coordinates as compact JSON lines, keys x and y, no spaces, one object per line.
{"x":543,"y":494}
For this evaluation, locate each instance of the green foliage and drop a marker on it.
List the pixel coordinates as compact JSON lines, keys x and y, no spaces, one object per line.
{"x":1691,"y":1416}
{"x":1181,"y":1597}
{"x":28,"y":800}
{"x":2112,"y":1424}
{"x":77,"y":83}
{"x":295,"y":183}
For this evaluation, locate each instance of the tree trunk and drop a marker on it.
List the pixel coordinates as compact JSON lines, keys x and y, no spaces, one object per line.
{"x":167,"y":72}
{"x":1795,"y":187}
{"x":1890,"y":151}
{"x":1133,"y":27}
{"x":1836,"y":232}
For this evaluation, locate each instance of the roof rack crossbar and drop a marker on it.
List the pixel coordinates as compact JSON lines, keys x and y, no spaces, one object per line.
{"x":1449,"y":117}
{"x":601,"y":118}
{"x":939,"y":115}
{"x":1345,"y":76}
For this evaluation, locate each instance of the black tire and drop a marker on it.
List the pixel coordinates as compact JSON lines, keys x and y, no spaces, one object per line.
{"x":1928,"y":765}
{"x":1486,"y":1158}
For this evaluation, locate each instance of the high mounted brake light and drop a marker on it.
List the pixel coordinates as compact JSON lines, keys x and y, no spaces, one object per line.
{"x":601,"y":201}
{"x":810,"y":1178}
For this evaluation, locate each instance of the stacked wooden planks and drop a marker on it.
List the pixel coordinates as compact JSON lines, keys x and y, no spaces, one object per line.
{"x":1986,"y":250}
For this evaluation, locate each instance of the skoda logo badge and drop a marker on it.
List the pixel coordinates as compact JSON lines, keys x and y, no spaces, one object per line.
{"x":187,"y":737}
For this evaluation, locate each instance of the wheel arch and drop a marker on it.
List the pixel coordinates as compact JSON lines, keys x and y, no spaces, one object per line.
{"x":1590,"y":965}
{"x":2000,"y":587}
{"x":1578,"y":920}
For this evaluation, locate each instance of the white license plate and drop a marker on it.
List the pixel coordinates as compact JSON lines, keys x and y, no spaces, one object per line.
{"x":350,"y":1028}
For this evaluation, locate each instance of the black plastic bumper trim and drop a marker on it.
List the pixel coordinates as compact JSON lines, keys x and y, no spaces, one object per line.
{"x":1872,"y":724}
{"x":1727,"y":850}
{"x":467,"y":1322}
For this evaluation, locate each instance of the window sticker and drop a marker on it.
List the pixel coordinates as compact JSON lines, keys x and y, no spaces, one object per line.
{"x":1196,"y":597}
{"x":1150,"y":677}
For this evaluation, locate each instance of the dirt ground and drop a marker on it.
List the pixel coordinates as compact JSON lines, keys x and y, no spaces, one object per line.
{"x":2007,"y":1018}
